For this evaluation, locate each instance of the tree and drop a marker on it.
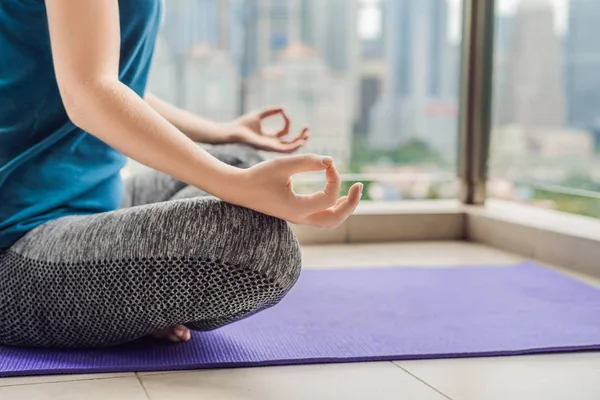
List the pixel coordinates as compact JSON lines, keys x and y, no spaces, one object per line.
{"x":580,"y":180}
{"x":413,"y":152}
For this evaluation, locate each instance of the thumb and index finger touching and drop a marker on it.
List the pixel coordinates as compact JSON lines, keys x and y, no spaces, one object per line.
{"x":273,"y":111}
{"x":319,"y":201}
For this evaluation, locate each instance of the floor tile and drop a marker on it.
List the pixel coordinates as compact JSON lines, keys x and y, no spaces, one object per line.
{"x":373,"y":381}
{"x":446,"y":254}
{"x":99,"y":389}
{"x":405,"y":254}
{"x":547,"y":377}
{"x":28,"y":380}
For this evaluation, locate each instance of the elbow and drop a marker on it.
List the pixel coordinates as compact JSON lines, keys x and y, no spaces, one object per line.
{"x":81,"y":102}
{"x":74,"y":99}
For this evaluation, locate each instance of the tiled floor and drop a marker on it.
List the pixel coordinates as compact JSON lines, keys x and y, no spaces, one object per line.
{"x":564,"y":376}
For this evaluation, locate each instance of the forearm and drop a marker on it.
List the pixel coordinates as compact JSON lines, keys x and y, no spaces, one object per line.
{"x":116,"y":115}
{"x":198,"y":129}
{"x":85,"y":39}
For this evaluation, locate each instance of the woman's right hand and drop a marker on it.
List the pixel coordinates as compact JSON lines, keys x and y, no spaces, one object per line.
{"x":267,"y":188}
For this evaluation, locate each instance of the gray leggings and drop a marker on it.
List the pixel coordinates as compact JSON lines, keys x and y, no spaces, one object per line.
{"x":172,"y":255}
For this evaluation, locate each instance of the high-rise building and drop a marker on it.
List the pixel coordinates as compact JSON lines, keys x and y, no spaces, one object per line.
{"x":418,"y":101}
{"x":371,"y":85}
{"x":188,"y":22}
{"x":267,"y":31}
{"x":450,"y":71}
{"x":371,"y":26}
{"x":582,"y":62}
{"x":534,"y":96}
{"x":185,"y":24}
{"x":162,"y":74}
{"x":372,"y":72}
{"x":503,"y":39}
{"x":330,"y":27}
{"x":327,"y":26}
{"x":213,"y":83}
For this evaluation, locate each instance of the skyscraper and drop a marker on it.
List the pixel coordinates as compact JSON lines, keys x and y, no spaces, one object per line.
{"x":327,"y":26}
{"x":330,"y":27}
{"x":162,"y":74}
{"x":582,"y":61}
{"x":503,"y":39}
{"x":188,"y":22}
{"x":416,"y":55}
{"x":534,"y":96}
{"x":267,"y":31}
{"x":212,"y":82}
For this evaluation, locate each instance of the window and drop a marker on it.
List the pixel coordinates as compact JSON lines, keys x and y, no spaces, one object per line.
{"x":546,"y":133}
{"x":377,"y":80}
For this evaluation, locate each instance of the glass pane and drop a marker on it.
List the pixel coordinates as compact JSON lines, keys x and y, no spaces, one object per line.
{"x":376,"y":80}
{"x":546,"y":131}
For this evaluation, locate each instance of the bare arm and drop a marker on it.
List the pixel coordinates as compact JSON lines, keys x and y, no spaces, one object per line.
{"x":195,"y":127}
{"x":86,"y":64}
{"x":85,"y":38}
{"x":247,"y":129}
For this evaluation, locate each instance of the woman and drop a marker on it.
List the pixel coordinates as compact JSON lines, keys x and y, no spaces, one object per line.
{"x":86,"y":262}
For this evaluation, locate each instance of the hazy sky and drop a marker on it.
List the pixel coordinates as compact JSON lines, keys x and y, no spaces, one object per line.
{"x":370,"y":19}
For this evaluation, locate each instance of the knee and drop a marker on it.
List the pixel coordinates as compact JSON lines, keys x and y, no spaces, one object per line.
{"x":278,"y":254}
{"x":263,"y":245}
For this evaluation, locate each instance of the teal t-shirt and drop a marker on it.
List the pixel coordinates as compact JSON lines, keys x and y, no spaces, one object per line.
{"x":49,"y":168}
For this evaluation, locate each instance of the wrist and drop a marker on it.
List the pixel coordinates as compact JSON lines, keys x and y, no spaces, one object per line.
{"x":229,"y":184}
{"x":229,"y":131}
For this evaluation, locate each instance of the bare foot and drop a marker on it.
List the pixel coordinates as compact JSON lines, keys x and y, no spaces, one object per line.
{"x":178,"y":333}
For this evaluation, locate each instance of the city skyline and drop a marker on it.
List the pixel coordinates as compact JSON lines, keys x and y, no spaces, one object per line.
{"x":388,"y":102}
{"x":411,"y":82}
{"x":418,"y":101}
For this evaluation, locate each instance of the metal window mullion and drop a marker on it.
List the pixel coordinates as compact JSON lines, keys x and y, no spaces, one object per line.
{"x":475,"y":99}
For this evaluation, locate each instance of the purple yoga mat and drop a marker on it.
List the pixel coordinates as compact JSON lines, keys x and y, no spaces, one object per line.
{"x":368,"y":315}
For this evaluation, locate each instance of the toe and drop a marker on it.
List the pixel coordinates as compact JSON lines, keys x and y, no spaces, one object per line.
{"x":174,"y":334}
{"x":182,"y":332}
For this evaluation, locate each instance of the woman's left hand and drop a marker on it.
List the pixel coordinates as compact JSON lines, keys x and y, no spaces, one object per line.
{"x":248,"y":129}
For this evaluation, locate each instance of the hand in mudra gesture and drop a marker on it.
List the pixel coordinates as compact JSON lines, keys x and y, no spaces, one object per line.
{"x":267,"y":188}
{"x":248,"y":129}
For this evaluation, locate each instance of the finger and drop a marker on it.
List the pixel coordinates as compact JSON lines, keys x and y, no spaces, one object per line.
{"x":334,"y":182}
{"x":288,"y":148}
{"x":286,"y":125}
{"x":335,"y":216}
{"x":270,"y":112}
{"x":304,"y":134}
{"x":340,"y":200}
{"x":327,"y":197}
{"x":291,"y":165}
{"x":354,"y":195}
